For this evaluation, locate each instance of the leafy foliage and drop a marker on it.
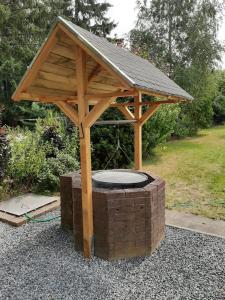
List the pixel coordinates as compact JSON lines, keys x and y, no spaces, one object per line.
{"x":159,"y":128}
{"x":38,"y":161}
{"x":4,"y":149}
{"x":180,"y":37}
{"x":105,"y":141}
{"x":23,"y":27}
{"x":219,"y":99}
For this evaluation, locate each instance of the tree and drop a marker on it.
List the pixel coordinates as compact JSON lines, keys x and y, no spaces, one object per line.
{"x":219,"y":98}
{"x":180,"y":37}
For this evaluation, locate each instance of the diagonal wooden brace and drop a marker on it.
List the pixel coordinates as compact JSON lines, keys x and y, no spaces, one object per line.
{"x":69,"y":111}
{"x":148,"y":113}
{"x":126,"y":112}
{"x":97,"y":111}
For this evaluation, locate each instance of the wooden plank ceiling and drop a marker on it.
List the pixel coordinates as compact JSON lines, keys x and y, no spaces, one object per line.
{"x":57,"y":74}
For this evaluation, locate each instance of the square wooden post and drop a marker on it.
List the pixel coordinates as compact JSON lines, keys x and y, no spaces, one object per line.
{"x":85,"y":153}
{"x":137,"y":133}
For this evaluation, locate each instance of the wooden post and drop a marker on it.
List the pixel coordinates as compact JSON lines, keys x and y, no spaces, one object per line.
{"x":85,"y":152}
{"x":137,"y":133}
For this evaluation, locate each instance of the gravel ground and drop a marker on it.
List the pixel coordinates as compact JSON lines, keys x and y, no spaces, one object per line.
{"x":38,"y":262}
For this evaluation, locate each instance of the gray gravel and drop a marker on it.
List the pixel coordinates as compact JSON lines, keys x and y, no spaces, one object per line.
{"x":38,"y":261}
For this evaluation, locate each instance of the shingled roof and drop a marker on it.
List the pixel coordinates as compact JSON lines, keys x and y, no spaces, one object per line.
{"x":137,"y":71}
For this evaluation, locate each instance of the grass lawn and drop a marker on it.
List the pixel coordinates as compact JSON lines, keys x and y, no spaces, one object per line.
{"x":194,"y":170}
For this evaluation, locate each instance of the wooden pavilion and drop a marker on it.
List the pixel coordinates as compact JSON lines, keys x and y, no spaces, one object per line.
{"x":83,"y":75}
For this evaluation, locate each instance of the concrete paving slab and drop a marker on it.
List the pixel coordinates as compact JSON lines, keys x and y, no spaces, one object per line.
{"x":20,"y":220}
{"x":195,"y":223}
{"x":23,"y":204}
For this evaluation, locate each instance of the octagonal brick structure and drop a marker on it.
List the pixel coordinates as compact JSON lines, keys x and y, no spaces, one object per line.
{"x":127,"y":222}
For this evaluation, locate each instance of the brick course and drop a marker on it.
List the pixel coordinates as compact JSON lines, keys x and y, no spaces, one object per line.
{"x":127,"y":222}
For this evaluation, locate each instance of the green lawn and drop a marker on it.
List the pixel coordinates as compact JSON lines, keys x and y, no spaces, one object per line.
{"x":194,"y":170}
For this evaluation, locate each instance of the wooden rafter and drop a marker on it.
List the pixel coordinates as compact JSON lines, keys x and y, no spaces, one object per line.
{"x":95,"y":72}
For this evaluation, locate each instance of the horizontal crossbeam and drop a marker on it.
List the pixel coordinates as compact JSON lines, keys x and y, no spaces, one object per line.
{"x":115,"y":122}
{"x":143,"y":103}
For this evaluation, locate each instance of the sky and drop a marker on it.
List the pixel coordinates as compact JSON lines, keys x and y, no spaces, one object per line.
{"x":124,"y":14}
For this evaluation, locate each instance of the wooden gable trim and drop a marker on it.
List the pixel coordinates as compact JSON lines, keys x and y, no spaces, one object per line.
{"x":35,"y":65}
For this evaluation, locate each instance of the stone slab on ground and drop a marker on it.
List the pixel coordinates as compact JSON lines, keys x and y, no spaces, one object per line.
{"x":53,"y":202}
{"x":26,"y":203}
{"x":38,"y":261}
{"x":195,"y":223}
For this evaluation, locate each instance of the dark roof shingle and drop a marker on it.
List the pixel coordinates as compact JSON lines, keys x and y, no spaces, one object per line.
{"x":137,"y":71}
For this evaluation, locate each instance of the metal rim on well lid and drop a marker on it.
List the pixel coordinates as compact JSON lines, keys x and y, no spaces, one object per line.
{"x":120,"y":179}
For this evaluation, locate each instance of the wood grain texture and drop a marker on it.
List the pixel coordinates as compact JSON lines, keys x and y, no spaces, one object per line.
{"x":41,"y":57}
{"x":126,"y":112}
{"x":138,"y":133}
{"x":85,"y":153}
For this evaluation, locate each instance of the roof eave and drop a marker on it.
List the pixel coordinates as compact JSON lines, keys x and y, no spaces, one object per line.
{"x":156,"y":93}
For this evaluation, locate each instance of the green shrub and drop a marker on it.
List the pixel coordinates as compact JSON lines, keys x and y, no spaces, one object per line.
{"x":27,"y":157}
{"x":4,"y":148}
{"x":105,"y":141}
{"x":219,"y":109}
{"x":53,"y":168}
{"x":159,"y":128}
{"x":39,"y":157}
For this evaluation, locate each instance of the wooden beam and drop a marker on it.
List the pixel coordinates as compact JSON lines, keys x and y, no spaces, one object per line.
{"x":38,"y":90}
{"x":103,"y":96}
{"x":85,"y":153}
{"x":95,"y":72}
{"x":138,"y":133}
{"x":144,"y":103}
{"x":96,"y":111}
{"x":126,"y":112}
{"x":113,"y":94}
{"x":45,"y":98}
{"x":38,"y":61}
{"x":69,"y":111}
{"x":97,"y":57}
{"x":148,"y":113}
{"x":115,"y":122}
{"x":161,"y":94}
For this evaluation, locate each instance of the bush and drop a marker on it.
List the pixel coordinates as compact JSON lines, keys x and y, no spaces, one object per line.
{"x":4,"y":153}
{"x":219,"y":109}
{"x":105,"y":141}
{"x":105,"y":138}
{"x":39,"y":157}
{"x":27,"y":157}
{"x":159,"y":128}
{"x":53,"y":168}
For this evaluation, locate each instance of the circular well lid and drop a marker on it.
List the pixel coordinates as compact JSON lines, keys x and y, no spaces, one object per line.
{"x":120,"y":179}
